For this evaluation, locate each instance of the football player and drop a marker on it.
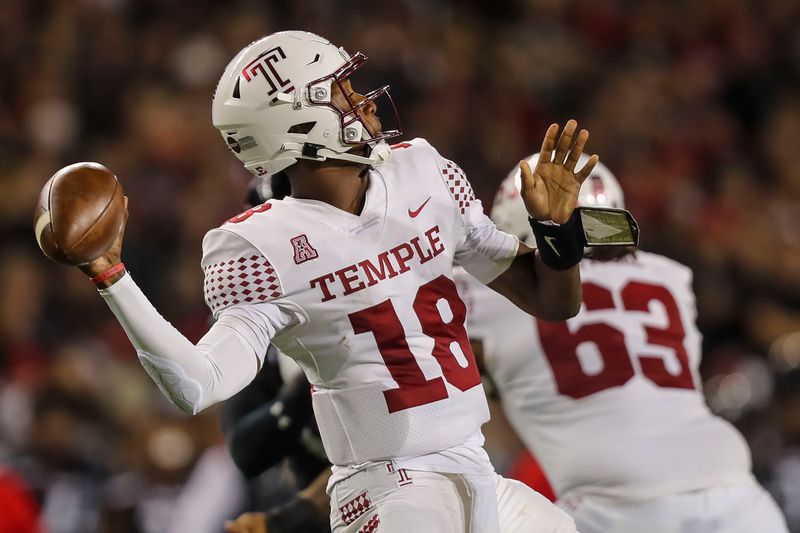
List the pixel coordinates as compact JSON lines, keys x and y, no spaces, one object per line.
{"x":610,"y":401}
{"x":352,"y":276}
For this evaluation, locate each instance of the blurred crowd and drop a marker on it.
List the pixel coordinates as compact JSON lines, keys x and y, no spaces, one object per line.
{"x":694,"y":105}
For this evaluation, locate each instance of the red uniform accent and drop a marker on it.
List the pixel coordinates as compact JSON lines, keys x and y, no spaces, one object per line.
{"x":108,"y":273}
{"x":637,"y":296}
{"x":264,"y":64}
{"x":459,"y":186}
{"x":356,"y":507}
{"x":558,"y":341}
{"x":371,"y":525}
{"x":18,"y":510}
{"x":526,"y":469}
{"x":303,"y":251}
{"x":391,"y":263}
{"x":241,"y":217}
{"x":417,"y":211}
{"x":414,"y":389}
{"x":247,"y":279}
{"x":444,"y":333}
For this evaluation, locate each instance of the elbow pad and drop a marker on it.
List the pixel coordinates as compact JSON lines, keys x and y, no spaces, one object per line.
{"x":174,"y":383}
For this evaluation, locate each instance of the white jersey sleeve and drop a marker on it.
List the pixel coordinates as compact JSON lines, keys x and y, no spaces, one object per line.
{"x":485,"y":252}
{"x":241,"y":287}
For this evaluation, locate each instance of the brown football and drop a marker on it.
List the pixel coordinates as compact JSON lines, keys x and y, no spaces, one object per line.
{"x":79,"y":213}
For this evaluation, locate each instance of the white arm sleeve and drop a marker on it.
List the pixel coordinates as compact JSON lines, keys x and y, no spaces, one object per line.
{"x":194,"y":377}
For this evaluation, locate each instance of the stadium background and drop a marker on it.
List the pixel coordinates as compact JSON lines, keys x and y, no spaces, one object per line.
{"x":694,"y":105}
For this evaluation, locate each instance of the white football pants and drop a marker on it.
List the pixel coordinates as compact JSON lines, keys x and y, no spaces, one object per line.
{"x":746,"y":508}
{"x":410,"y":501}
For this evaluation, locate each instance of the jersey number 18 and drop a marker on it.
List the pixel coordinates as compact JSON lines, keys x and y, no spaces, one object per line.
{"x":414,"y":389}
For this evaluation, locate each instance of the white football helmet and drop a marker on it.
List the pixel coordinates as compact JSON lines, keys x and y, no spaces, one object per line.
{"x":601,"y":189}
{"x":284,"y":81}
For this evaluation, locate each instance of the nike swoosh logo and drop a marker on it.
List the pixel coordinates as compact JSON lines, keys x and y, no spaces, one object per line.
{"x":413,"y":214}
{"x":549,"y":240}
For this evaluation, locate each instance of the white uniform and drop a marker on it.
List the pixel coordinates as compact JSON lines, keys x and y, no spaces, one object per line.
{"x":610,"y":401}
{"x":367,"y":306}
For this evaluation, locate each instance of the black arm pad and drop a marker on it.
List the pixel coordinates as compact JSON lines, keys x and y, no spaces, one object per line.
{"x":560,"y":246}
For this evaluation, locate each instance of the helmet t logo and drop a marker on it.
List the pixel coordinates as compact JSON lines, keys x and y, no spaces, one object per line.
{"x":264,"y":64}
{"x":597,"y":185}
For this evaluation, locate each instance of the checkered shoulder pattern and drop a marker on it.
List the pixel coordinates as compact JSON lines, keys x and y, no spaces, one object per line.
{"x":459,"y":186}
{"x":248,"y":279}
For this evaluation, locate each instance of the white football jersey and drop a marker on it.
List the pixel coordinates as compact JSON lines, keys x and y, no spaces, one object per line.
{"x":367,"y":305}
{"x":610,"y":401}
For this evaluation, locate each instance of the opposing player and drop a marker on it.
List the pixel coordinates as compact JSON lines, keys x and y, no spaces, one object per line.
{"x":610,"y":401}
{"x":352,"y":277}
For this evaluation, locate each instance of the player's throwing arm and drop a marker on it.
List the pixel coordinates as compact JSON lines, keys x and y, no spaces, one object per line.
{"x":80,"y":221}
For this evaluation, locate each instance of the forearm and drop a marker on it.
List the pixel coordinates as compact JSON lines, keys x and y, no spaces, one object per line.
{"x":559,"y":292}
{"x":546,"y":293}
{"x":192,"y":377}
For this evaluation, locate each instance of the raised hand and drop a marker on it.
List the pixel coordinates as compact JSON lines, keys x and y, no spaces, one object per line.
{"x":550,"y":191}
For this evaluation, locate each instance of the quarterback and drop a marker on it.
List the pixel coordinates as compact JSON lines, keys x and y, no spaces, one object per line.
{"x":352,"y":276}
{"x":610,"y":401}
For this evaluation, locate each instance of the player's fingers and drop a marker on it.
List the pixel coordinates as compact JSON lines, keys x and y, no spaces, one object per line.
{"x":534,"y":191}
{"x":525,"y":171}
{"x":577,"y":150}
{"x":548,"y":144}
{"x":565,"y":141}
{"x":528,"y":176}
{"x":583,"y":173}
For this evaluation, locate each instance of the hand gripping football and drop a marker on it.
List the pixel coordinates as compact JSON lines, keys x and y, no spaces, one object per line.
{"x":79,"y":213}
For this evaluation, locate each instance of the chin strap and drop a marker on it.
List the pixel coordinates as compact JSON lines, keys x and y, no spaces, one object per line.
{"x":380,"y":153}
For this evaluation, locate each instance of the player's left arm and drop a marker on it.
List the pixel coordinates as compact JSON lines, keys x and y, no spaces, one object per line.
{"x":546,"y":283}
{"x":548,"y":294}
